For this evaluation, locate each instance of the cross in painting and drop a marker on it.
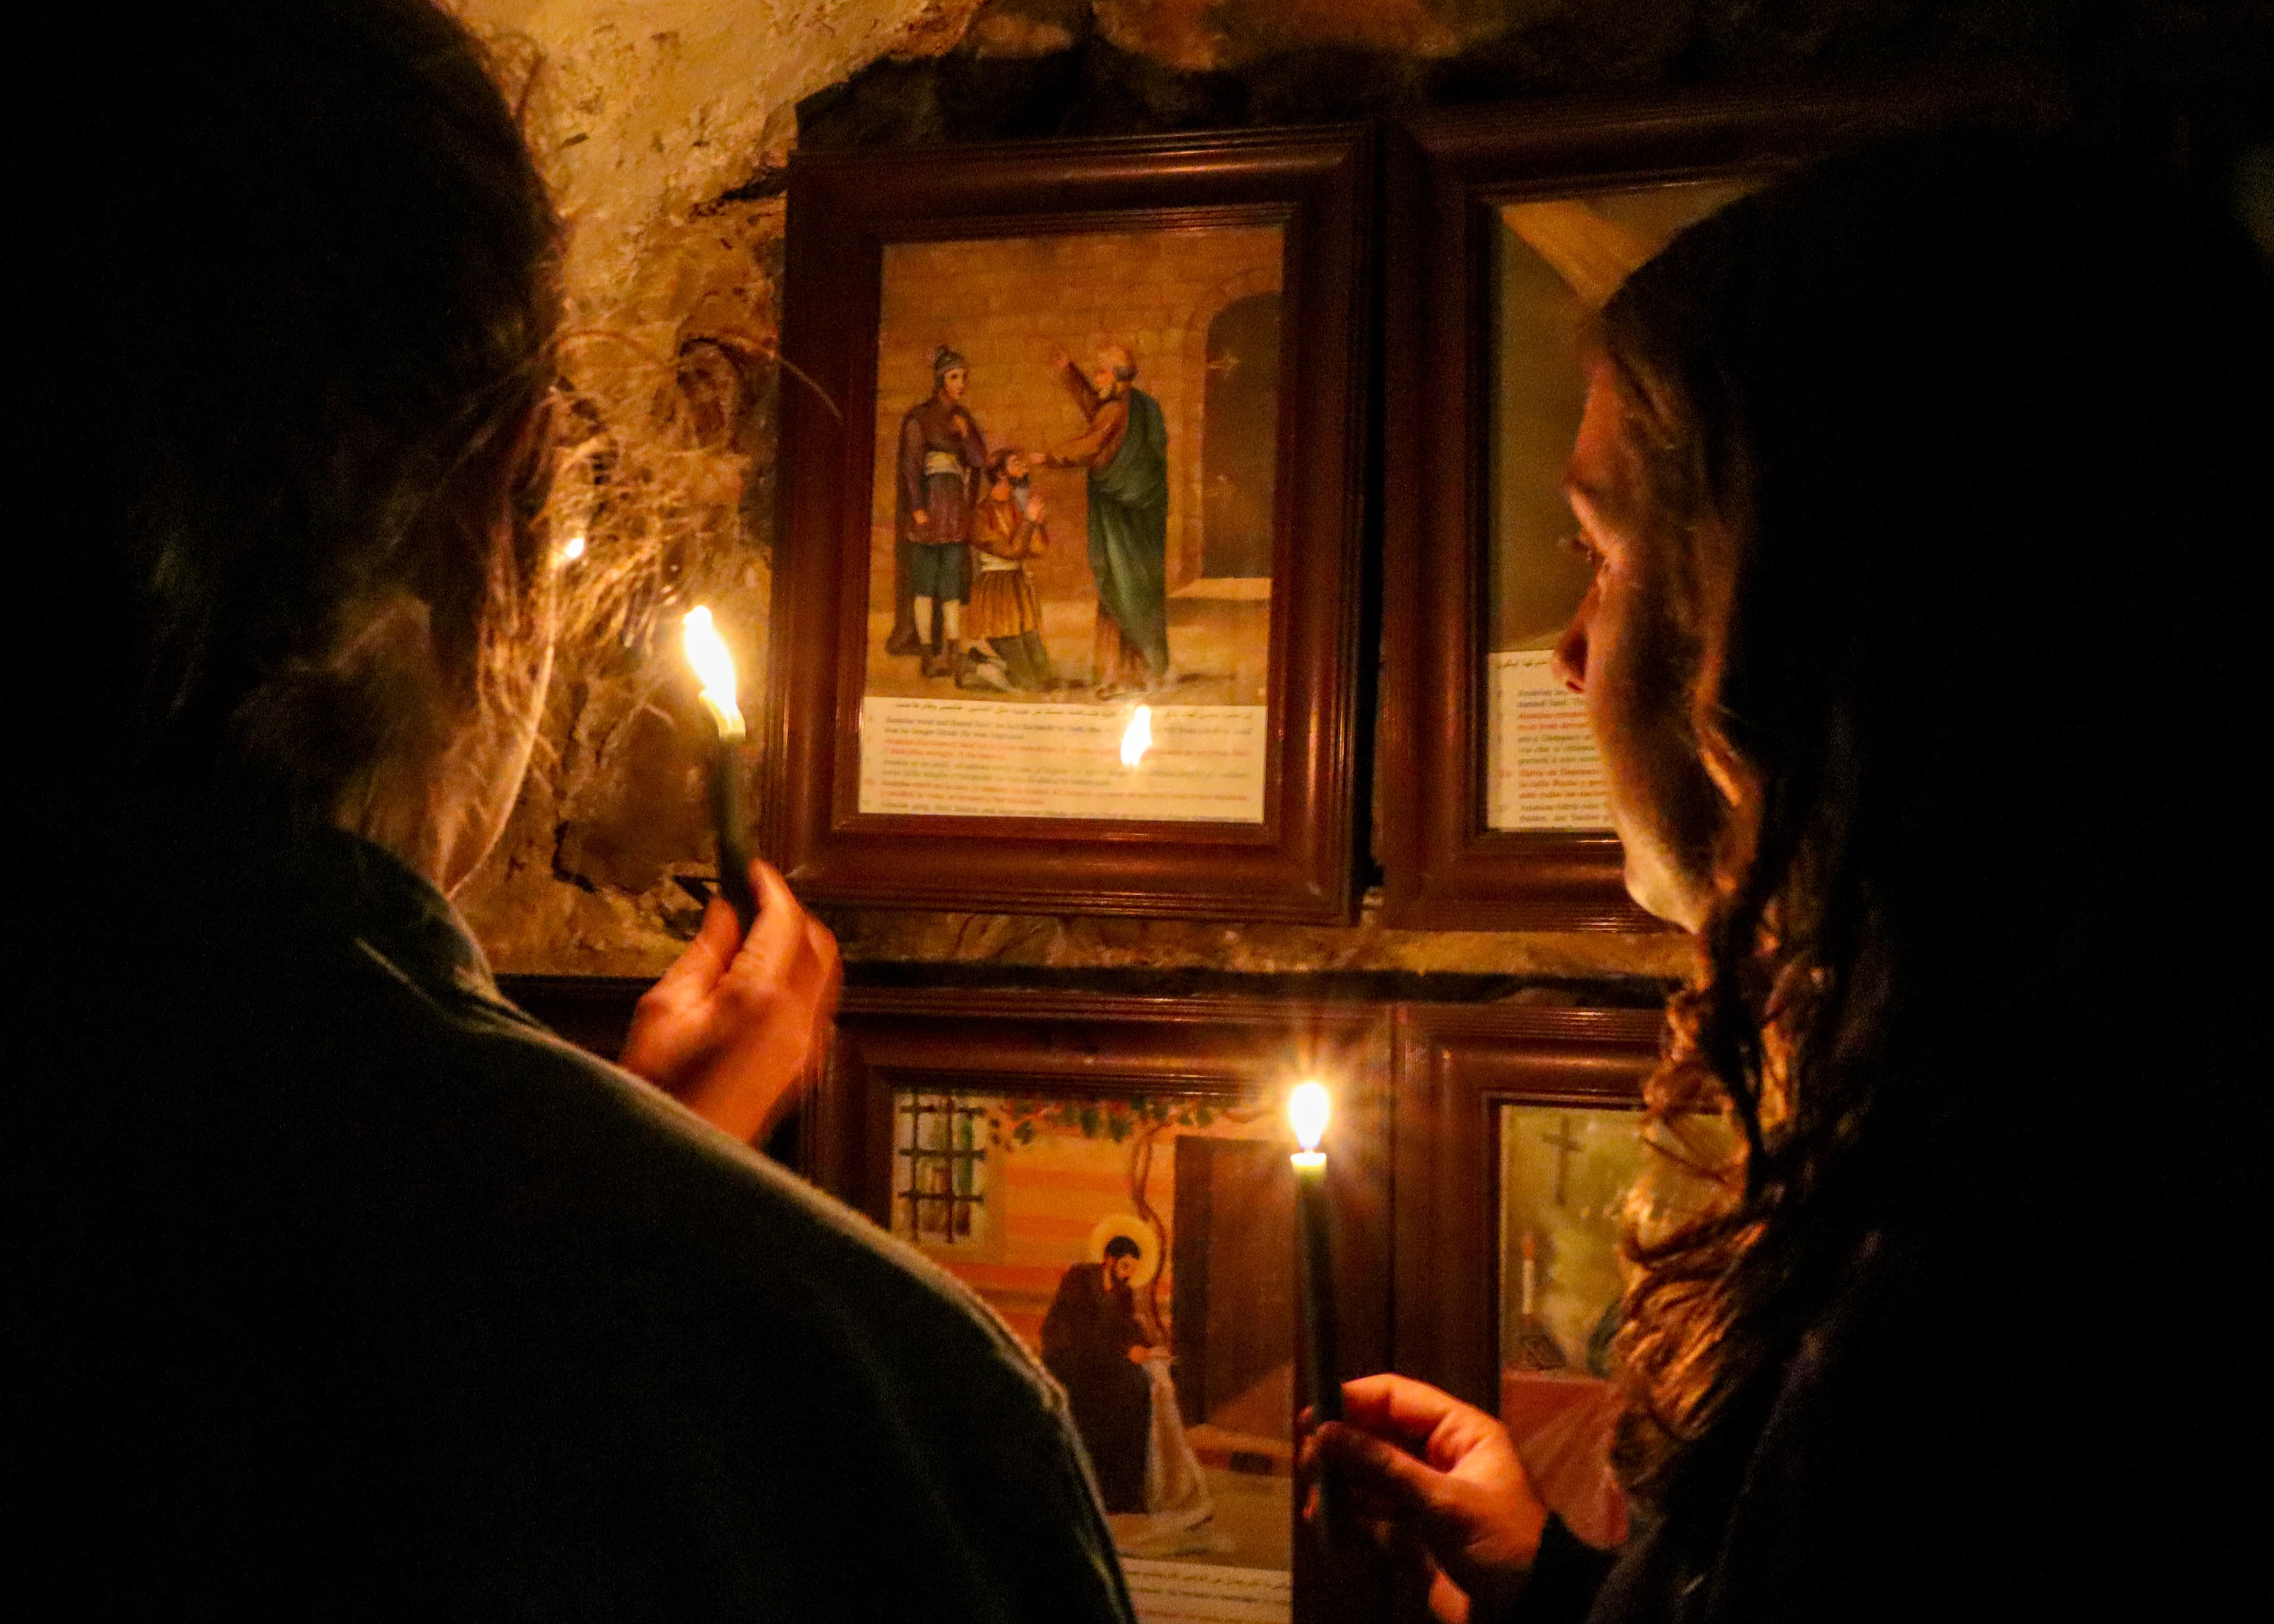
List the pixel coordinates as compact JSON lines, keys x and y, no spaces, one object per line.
{"x":1564,"y":1146}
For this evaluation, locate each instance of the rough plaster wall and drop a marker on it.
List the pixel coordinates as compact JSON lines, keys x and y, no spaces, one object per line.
{"x":653,"y":122}
{"x":651,"y":107}
{"x":665,"y":125}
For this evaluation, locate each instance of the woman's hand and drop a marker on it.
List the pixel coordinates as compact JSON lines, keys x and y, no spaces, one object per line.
{"x":732,"y":1029}
{"x":1464,"y":1509}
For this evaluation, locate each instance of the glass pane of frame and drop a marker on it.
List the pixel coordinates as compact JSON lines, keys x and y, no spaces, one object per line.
{"x":1555,"y":261}
{"x":1072,"y":526}
{"x":1572,"y":1179}
{"x":1564,"y":1173}
{"x":1143,"y":1247}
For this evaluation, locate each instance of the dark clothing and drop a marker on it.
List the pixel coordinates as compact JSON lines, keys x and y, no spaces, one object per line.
{"x":940,"y":461}
{"x":1087,"y":1337}
{"x":939,"y":572}
{"x":342,"y":1288}
{"x":1947,"y":1444}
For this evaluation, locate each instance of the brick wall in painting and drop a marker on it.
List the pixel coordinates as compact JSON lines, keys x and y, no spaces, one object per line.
{"x":1006,"y":305}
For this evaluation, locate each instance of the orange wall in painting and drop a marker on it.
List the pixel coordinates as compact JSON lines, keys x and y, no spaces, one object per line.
{"x":1045,"y":1200}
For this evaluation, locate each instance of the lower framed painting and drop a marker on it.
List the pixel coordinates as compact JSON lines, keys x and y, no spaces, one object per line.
{"x":1110,"y":1175}
{"x":1520,"y":1143}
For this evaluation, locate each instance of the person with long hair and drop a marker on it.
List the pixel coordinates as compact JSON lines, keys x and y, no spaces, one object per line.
{"x":336,"y":1285}
{"x":1929,"y":493}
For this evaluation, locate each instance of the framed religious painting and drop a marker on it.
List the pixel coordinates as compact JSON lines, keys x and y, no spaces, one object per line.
{"x":1111,"y":1175}
{"x":1509,"y":228}
{"x":1067,"y":593}
{"x":1520,"y":1159}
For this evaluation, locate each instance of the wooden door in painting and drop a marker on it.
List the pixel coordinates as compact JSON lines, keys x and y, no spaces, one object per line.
{"x":1233,"y":1303}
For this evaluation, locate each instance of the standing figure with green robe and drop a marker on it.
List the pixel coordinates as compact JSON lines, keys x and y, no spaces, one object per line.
{"x":1126,"y":448}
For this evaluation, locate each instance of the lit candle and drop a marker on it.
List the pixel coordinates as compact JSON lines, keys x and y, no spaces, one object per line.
{"x":707,"y":652}
{"x":1308,"y":1109}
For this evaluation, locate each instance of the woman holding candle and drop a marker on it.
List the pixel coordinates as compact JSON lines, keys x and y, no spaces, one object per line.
{"x":337,"y":1286}
{"x":1929,"y":497}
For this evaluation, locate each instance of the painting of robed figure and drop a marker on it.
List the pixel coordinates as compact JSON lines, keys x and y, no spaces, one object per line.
{"x":1123,"y":450}
{"x":1072,"y":527}
{"x":1076,"y":455}
{"x":1139,"y":1246}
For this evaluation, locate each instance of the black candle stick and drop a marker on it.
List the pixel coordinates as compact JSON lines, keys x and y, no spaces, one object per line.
{"x":1307,"y":1109}
{"x":707,"y":652}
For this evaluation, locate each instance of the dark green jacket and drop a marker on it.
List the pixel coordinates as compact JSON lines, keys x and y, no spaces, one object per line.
{"x":340,"y":1287}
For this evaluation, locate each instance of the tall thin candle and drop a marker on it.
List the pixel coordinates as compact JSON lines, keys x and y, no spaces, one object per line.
{"x":707,"y":652}
{"x":1308,"y":1109}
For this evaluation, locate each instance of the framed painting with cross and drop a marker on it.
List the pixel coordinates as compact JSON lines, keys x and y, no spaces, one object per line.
{"x":1518,"y":1150}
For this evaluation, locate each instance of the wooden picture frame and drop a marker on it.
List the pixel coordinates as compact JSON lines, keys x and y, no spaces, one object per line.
{"x":1463,"y":1071}
{"x":1446,"y":865}
{"x":1095,"y":1073}
{"x":889,"y":252}
{"x":1457,"y":1066}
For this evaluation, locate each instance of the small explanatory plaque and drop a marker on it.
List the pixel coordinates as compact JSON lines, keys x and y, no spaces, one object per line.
{"x":977,"y":758}
{"x":1545,"y":772}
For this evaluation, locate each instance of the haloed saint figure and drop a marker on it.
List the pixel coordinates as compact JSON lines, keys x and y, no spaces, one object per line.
{"x":1093,"y":1343}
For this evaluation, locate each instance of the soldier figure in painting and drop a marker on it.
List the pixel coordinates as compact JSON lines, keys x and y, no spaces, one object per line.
{"x":1126,"y":448}
{"x":942,"y":454}
{"x":1093,"y":1343}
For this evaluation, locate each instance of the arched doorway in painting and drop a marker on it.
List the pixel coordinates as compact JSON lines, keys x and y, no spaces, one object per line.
{"x":1239,"y":424}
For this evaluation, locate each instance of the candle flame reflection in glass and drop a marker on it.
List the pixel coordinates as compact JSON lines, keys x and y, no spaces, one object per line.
{"x":1137,"y":738}
{"x":1307,"y":1109}
{"x":706,"y":651}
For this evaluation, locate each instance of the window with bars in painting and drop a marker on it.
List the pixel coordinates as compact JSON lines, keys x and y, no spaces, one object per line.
{"x":939,"y":1173}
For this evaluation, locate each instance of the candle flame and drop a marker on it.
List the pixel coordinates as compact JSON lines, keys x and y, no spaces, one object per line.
{"x":706,"y":651}
{"x":1137,"y":738}
{"x":1307,"y":1109}
{"x":570,"y":551}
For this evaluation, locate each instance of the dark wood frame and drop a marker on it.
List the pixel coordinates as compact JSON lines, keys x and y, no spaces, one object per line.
{"x":1442,"y":867}
{"x":1457,"y":1066}
{"x":843,"y":208}
{"x":1074,"y":1044}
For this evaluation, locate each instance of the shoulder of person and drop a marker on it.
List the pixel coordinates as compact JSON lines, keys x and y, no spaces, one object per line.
{"x":493,"y":1241}
{"x":724,"y":1210}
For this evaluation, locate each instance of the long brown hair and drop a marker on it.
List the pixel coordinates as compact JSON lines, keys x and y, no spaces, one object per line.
{"x":1936,"y":433}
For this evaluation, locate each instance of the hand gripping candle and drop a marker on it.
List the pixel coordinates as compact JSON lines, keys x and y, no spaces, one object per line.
{"x":707,"y":652}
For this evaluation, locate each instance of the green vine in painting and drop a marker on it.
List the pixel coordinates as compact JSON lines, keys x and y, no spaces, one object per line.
{"x":1016,"y":1120}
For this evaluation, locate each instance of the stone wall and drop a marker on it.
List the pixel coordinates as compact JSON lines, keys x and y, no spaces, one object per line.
{"x":666,"y":125}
